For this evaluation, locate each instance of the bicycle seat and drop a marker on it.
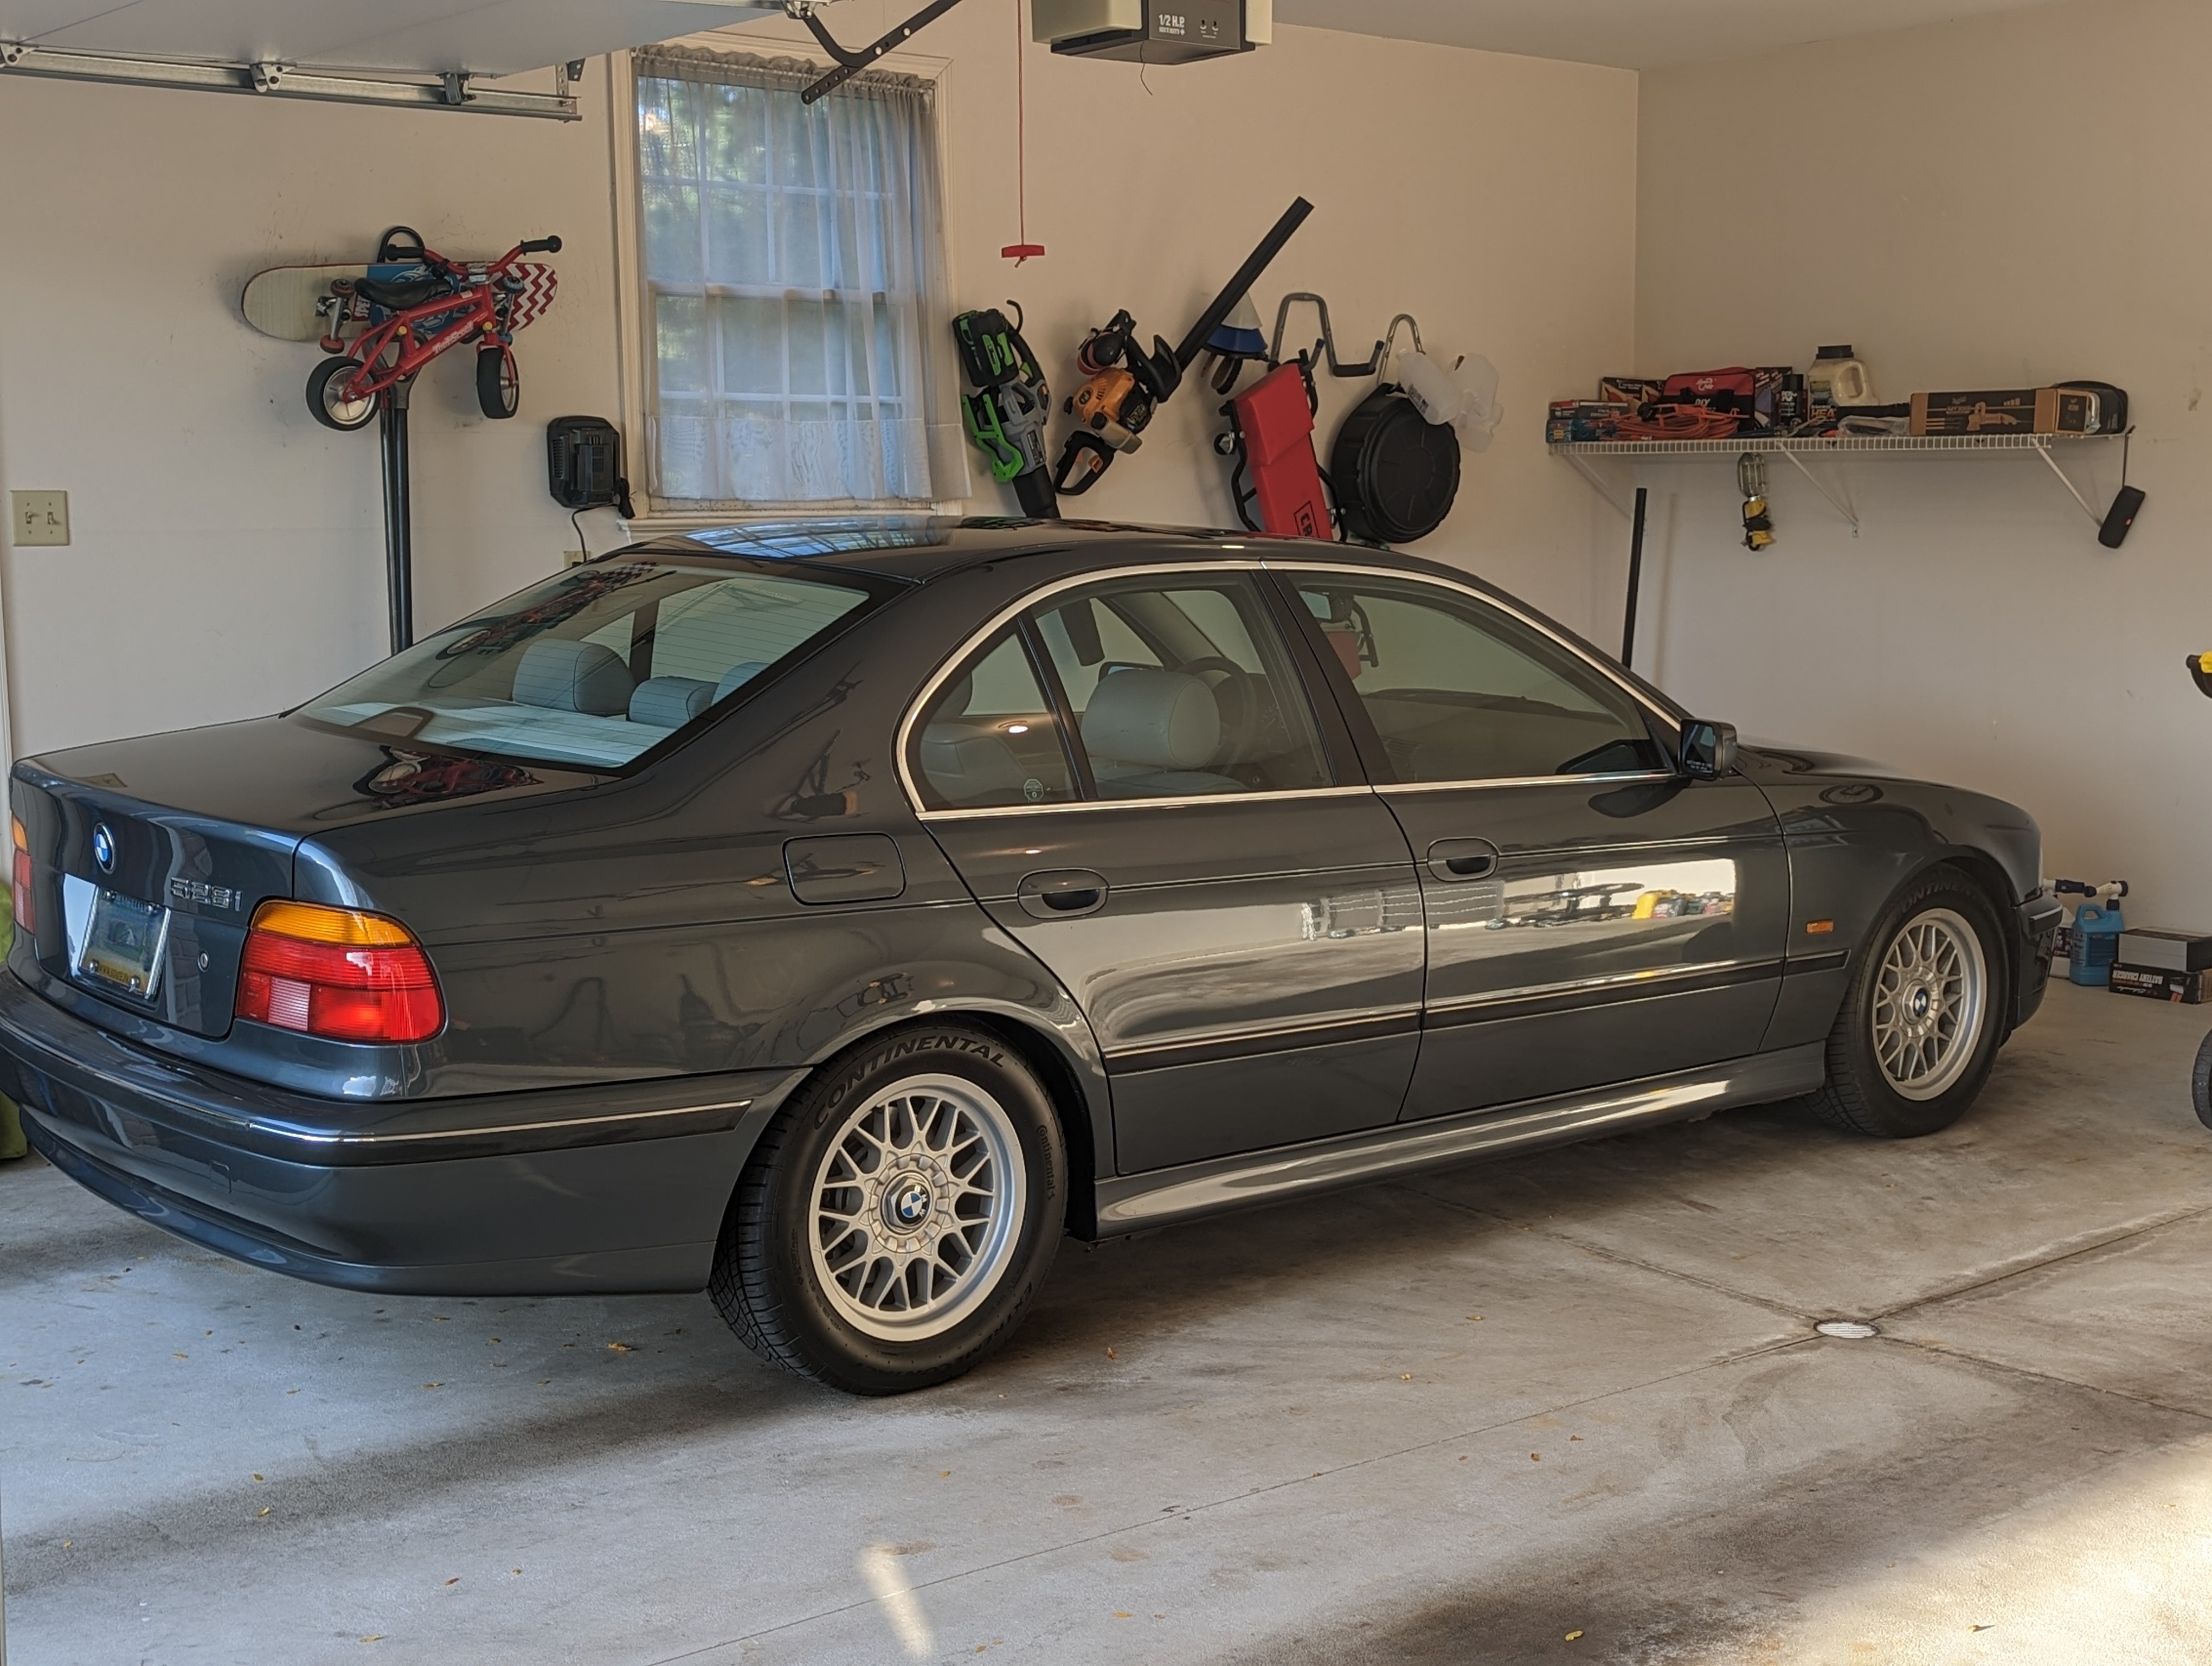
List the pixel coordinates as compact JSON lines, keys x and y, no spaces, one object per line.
{"x":398,"y":297}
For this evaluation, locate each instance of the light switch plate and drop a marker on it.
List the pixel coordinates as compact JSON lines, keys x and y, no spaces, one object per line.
{"x":38,"y":518}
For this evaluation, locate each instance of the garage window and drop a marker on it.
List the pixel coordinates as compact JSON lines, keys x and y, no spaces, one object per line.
{"x":793,"y":277}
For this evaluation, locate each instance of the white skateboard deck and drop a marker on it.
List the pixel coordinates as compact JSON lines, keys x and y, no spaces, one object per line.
{"x":288,"y":302}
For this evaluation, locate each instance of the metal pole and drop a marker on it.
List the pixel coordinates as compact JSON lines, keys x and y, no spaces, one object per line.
{"x":1635,"y":578}
{"x":398,"y":528}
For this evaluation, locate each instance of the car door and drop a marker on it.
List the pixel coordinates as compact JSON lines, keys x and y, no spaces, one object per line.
{"x":1592,"y":915}
{"x":1133,"y":776}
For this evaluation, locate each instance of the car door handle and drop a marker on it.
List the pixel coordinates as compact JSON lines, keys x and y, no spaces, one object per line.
{"x":1457,"y":860}
{"x":1066,"y":893}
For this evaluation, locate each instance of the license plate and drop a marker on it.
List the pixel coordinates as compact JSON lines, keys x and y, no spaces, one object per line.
{"x":123,"y":944}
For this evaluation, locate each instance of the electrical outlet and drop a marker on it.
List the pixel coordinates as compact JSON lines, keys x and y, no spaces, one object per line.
{"x":573,"y":558}
{"x":38,"y":518}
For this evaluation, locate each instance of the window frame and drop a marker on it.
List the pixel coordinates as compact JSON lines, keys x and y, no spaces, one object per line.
{"x":1373,"y":754}
{"x":1338,"y":751}
{"x":1348,"y":736}
{"x":637,"y":349}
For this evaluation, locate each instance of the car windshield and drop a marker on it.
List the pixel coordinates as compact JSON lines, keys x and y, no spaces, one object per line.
{"x":594,"y":667}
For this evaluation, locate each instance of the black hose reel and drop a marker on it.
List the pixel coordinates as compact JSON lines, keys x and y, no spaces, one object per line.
{"x":1395,"y":473}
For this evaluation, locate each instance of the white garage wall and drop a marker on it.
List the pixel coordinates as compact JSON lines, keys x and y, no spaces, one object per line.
{"x":229,"y":552}
{"x":2001,"y":203}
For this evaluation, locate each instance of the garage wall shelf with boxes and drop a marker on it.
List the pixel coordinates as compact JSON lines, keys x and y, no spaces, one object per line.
{"x":1830,"y":412}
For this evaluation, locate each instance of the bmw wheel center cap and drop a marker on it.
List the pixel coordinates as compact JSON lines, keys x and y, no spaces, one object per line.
{"x":103,"y":848}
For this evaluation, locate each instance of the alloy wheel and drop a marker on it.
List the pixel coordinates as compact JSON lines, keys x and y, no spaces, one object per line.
{"x":1928,"y":999}
{"x":916,"y":1205}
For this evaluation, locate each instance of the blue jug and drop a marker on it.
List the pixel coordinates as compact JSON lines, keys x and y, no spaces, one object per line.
{"x":2096,"y":944}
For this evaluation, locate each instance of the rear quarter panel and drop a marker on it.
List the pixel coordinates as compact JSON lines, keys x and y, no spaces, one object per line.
{"x":647,"y":927}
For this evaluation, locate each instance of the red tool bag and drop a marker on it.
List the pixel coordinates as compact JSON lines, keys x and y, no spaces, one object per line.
{"x":1278,"y":483}
{"x":1697,"y":405}
{"x":1723,"y":390}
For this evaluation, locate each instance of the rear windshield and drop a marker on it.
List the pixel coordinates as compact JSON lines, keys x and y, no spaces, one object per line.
{"x":594,"y":667}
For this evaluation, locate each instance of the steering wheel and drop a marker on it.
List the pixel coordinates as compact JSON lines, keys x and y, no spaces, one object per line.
{"x":1237,"y":733}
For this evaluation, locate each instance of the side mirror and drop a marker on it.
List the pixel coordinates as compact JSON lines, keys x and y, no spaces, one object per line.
{"x":1708,"y":750}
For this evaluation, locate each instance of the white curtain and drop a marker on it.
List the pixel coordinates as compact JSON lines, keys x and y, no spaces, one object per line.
{"x":794,"y":260}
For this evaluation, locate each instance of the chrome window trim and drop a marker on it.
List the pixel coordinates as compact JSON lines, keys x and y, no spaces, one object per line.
{"x":978,"y":812}
{"x":1014,"y":610}
{"x":1528,"y":781}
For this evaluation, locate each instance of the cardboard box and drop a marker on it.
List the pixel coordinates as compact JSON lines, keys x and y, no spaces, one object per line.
{"x":2183,"y":989}
{"x":1629,"y":390}
{"x":2156,"y":950}
{"x":1576,"y":421}
{"x":2006,"y":410}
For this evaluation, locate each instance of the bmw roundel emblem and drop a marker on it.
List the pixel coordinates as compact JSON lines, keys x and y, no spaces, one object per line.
{"x":103,"y":848}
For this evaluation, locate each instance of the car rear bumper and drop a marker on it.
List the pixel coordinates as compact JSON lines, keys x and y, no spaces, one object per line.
{"x":619,"y":1187}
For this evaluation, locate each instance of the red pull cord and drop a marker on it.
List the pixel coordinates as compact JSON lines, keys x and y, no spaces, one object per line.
{"x":1023,"y":250}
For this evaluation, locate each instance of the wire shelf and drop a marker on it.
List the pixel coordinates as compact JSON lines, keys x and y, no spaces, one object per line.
{"x":1815,"y":446}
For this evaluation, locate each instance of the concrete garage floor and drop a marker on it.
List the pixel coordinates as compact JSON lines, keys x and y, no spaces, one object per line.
{"x":1283,"y":1436}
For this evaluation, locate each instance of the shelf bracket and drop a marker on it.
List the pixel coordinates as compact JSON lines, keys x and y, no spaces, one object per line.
{"x":2067,"y":481}
{"x":1598,"y":484}
{"x":1842,"y":505}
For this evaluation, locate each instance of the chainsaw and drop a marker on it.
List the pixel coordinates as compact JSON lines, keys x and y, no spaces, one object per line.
{"x":1007,"y":419}
{"x":1125,"y":385}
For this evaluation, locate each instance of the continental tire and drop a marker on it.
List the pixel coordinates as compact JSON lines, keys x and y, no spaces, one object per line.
{"x":899,"y":1216}
{"x":1920,"y":1027}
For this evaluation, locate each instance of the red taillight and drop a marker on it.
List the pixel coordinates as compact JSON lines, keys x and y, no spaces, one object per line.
{"x":338,"y":974}
{"x":19,"y":887}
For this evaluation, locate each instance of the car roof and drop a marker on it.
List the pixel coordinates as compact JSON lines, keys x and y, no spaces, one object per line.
{"x":917,"y":548}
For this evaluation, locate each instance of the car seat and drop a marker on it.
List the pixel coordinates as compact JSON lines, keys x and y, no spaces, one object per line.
{"x":1151,"y":732}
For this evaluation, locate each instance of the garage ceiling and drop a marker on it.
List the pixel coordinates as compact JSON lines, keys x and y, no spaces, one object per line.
{"x":502,"y":37}
{"x":1635,"y":34}
{"x":421,"y":37}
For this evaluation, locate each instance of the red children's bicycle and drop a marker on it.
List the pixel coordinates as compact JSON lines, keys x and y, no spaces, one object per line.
{"x":409,"y":323}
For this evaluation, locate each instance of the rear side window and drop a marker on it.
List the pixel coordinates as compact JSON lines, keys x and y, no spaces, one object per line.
{"x":989,"y":738}
{"x":1181,"y":687}
{"x":1166,"y":686}
{"x":594,"y":667}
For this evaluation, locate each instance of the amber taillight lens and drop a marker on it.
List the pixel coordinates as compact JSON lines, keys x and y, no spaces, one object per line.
{"x":19,"y":885}
{"x":338,"y":973}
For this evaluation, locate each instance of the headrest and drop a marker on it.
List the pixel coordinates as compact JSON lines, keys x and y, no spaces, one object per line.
{"x":573,"y":677}
{"x":737,"y":677}
{"x":670,"y":702}
{"x":1164,"y":720}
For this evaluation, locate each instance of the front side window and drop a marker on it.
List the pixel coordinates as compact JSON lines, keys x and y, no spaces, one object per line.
{"x":1459,"y":690}
{"x":1157,"y":687}
{"x":594,"y":667}
{"x":794,"y":285}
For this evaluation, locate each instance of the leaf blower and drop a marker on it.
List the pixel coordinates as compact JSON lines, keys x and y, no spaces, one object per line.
{"x":1007,"y":419}
{"x":1127,"y":384}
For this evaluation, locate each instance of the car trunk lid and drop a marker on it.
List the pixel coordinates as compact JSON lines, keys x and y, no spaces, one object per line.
{"x":145,"y":906}
{"x":149,"y":856}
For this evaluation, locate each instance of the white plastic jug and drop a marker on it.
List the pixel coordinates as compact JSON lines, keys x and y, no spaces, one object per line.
{"x":1839,"y":381}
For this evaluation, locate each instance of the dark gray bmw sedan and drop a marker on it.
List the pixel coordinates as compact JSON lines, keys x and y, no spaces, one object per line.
{"x":833,"y":915}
